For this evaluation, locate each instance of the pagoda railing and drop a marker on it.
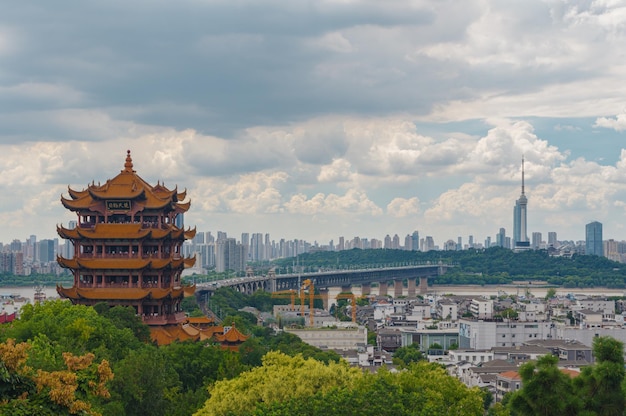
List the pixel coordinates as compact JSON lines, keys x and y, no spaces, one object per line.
{"x":126,"y":256}
{"x":123,"y":286}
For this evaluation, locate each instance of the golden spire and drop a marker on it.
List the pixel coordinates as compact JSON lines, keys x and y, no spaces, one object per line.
{"x":128,"y":166}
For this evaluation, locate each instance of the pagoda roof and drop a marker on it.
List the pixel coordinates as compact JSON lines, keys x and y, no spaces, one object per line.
{"x":118,"y":293}
{"x":166,"y":334}
{"x":126,"y":186}
{"x":190,"y":234}
{"x":130,"y":231}
{"x":231,"y":336}
{"x":125,"y":263}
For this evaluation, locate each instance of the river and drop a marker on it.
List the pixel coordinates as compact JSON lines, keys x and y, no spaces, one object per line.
{"x":468,"y":290}
{"x":28,"y":292}
{"x":493,"y":290}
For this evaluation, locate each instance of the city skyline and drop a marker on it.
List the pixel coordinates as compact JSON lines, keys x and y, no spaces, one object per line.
{"x":314,"y":121}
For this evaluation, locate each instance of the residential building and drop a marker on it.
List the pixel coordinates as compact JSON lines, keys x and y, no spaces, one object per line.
{"x":593,"y":239}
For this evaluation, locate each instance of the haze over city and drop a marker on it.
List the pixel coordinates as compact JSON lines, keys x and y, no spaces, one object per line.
{"x":315,"y":120}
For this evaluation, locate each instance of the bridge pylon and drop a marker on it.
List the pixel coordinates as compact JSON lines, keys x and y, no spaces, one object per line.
{"x":411,"y":283}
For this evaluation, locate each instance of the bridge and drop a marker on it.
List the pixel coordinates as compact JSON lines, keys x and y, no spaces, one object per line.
{"x":344,"y":279}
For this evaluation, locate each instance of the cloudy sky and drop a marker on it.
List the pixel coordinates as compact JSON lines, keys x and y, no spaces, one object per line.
{"x":320,"y":118}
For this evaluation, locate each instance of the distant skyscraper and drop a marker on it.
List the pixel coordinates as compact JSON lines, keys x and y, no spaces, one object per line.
{"x":536,"y":240}
{"x":552,"y":242}
{"x":520,"y":235}
{"x":501,"y":238}
{"x":593,"y":239}
{"x":415,"y":241}
{"x":395,"y":242}
{"x":408,"y":243}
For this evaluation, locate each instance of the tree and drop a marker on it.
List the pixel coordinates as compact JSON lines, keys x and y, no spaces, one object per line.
{"x":423,"y":389}
{"x":546,"y":390}
{"x":601,"y":384}
{"x":78,"y":388}
{"x":550,"y":293}
{"x":144,"y":384}
{"x":404,"y":356}
{"x":279,"y":378}
{"x":74,"y":328}
{"x":293,"y":385}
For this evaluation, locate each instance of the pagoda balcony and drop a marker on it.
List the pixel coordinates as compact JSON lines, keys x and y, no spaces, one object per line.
{"x":127,"y":256}
{"x":122,"y":286}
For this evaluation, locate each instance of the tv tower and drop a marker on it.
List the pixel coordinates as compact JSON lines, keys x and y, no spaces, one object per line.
{"x":520,"y":235}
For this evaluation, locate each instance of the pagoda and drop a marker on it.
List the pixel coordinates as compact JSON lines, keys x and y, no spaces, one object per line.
{"x":127,"y":248}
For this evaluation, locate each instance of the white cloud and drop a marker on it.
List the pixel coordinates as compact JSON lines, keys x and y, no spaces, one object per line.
{"x":401,"y":207}
{"x":352,"y":202}
{"x":618,"y":123}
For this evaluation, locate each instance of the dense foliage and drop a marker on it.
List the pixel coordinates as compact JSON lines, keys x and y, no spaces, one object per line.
{"x":39,"y":352}
{"x":598,"y":390}
{"x":495,"y":265}
{"x":296,"y":386}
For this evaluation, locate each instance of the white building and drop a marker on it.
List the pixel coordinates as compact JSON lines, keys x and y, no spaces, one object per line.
{"x":485,"y":334}
{"x":482,"y":308}
{"x":348,"y":338}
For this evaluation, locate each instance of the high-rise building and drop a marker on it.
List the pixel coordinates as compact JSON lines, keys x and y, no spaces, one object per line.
{"x":552,"y":242}
{"x":501,"y":238}
{"x":611,"y":250}
{"x":593,"y":239}
{"x":395,"y":242}
{"x":46,"y":251}
{"x":415,"y":241}
{"x":536,"y":240}
{"x":429,"y":243}
{"x":520,"y":235}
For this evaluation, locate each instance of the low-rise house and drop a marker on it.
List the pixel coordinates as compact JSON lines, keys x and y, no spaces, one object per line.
{"x":447,"y":309}
{"x":507,"y":382}
{"x":389,"y":339}
{"x":566,"y":350}
{"x":473,"y":357}
{"x":482,"y":308}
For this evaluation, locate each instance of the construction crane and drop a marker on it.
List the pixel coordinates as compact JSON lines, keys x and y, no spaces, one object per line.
{"x":287,"y":294}
{"x":353,"y":298}
{"x":308,"y":284}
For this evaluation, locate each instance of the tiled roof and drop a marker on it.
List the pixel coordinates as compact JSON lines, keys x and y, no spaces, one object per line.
{"x":127,"y":185}
{"x":511,"y":375}
{"x":125,"y":263}
{"x":118,"y":293}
